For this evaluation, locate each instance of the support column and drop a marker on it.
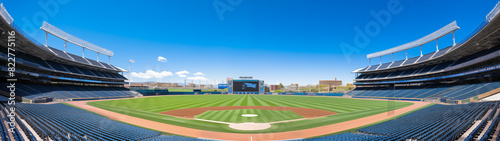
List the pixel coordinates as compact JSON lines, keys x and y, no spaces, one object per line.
{"x":65,"y":42}
{"x":453,"y":33}
{"x":437,"y":47}
{"x":406,"y":54}
{"x":109,"y":60}
{"x":370,"y":59}
{"x":392,"y":57}
{"x":46,"y":34}
{"x":380,"y":60}
{"x":83,"y":55}
{"x":421,"y":50}
{"x":97,"y":56}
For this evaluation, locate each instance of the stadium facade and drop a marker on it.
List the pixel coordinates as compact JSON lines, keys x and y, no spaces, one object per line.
{"x":462,"y":72}
{"x":44,"y":74}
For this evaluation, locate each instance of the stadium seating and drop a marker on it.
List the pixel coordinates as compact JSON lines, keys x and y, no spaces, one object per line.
{"x":346,"y":137}
{"x":32,"y":61}
{"x":449,"y":65}
{"x":173,"y":138}
{"x":34,"y":91}
{"x":437,"y":122}
{"x":409,"y":61}
{"x":453,"y":92}
{"x":62,"y":122}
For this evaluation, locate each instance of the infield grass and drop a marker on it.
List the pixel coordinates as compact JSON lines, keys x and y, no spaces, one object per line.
{"x":150,"y":107}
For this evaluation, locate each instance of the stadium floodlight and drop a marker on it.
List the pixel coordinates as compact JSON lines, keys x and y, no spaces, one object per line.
{"x":493,"y":13}
{"x":48,"y":28}
{"x":450,"y":28}
{"x":5,"y":15}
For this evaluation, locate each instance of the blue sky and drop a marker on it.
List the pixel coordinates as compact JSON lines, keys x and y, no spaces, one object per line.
{"x":288,"y":41}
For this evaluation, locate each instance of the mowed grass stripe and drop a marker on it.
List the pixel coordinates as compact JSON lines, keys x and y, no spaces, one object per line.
{"x":314,"y":106}
{"x":250,"y":101}
{"x":334,"y":118}
{"x":234,"y":118}
{"x":256,"y":101}
{"x":239,"y":118}
{"x":171,"y":104}
{"x":326,"y":100}
{"x":210,"y":103}
{"x":299,"y":104}
{"x":174,"y":102}
{"x":245,"y":101}
{"x":262,"y":103}
{"x":273,"y":103}
{"x":250,"y":119}
{"x":220,"y":114}
{"x":189,"y":105}
{"x":230,"y":102}
{"x":238,"y":103}
{"x":346,"y":107}
{"x":215,"y":104}
{"x":208,"y":115}
{"x":228,"y":115}
{"x":359,"y":108}
{"x":317,"y":103}
{"x":260,"y":114}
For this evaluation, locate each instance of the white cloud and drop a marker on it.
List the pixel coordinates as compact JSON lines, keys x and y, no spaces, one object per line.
{"x":162,"y":59}
{"x":182,"y":73}
{"x":197,"y":78}
{"x":199,"y":73}
{"x":151,"y":74}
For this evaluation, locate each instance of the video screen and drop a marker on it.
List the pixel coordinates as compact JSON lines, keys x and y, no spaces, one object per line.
{"x":246,"y":86}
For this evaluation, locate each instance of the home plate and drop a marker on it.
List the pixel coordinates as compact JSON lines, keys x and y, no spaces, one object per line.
{"x":249,"y":115}
{"x":249,"y":126}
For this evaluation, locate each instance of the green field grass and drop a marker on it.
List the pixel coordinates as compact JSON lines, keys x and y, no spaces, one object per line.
{"x":180,"y":90}
{"x":150,"y":107}
{"x":234,"y":116}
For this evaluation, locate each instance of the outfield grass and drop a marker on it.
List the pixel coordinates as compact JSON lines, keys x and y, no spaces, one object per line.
{"x":180,"y":90}
{"x":234,"y":116}
{"x":150,"y":107}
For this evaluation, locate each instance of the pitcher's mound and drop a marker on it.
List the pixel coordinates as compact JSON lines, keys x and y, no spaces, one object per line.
{"x":249,"y":126}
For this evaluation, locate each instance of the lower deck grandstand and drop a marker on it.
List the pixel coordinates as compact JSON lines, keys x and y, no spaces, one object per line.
{"x":453,"y":81}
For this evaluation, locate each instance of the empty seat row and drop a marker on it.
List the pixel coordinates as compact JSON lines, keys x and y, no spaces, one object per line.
{"x":453,"y":92}
{"x":34,"y":91}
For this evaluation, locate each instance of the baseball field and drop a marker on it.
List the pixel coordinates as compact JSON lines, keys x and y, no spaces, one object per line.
{"x":248,"y":113}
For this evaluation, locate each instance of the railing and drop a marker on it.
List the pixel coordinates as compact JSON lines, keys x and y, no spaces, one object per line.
{"x":493,"y":13}
{"x":6,"y":16}
{"x":475,"y":31}
{"x":14,"y":25}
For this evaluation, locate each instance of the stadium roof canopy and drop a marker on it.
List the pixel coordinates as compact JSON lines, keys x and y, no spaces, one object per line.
{"x":72,"y":39}
{"x":451,"y":27}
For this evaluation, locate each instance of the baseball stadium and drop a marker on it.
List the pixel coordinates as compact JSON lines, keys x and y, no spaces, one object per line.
{"x":450,"y":93}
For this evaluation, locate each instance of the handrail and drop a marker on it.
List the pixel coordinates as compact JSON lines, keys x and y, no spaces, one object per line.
{"x":5,"y":15}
